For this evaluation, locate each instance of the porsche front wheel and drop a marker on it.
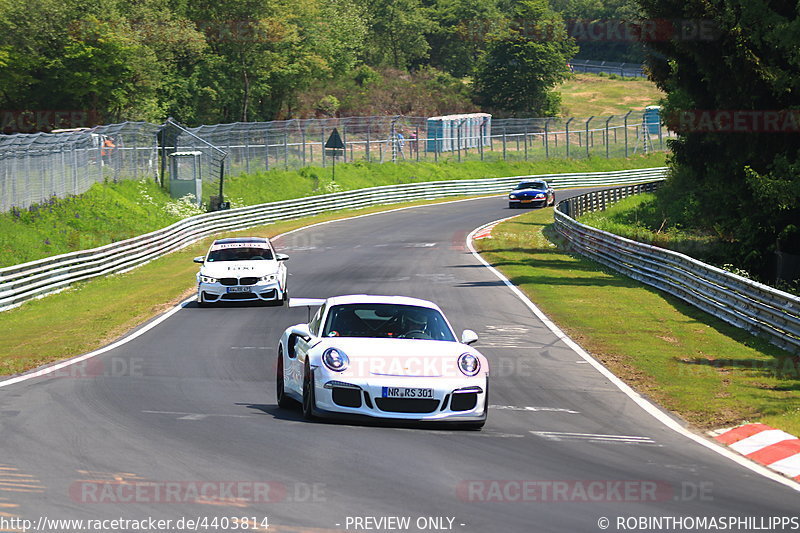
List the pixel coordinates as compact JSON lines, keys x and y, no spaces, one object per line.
{"x":283,"y":400}
{"x":308,"y":393}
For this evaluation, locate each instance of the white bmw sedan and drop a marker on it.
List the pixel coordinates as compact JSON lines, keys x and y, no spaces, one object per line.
{"x":241,"y":269}
{"x":382,"y":357}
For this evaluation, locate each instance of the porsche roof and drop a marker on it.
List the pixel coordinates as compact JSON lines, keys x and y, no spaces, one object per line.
{"x":376,"y":299}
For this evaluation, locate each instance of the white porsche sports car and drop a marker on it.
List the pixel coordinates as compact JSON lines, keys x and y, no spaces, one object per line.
{"x":241,"y":269}
{"x":383,"y":357}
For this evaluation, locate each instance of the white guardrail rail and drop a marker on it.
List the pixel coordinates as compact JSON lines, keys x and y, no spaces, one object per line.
{"x":744,"y":303}
{"x":23,"y":282}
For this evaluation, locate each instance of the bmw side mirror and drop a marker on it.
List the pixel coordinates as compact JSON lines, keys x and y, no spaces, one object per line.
{"x":281,"y":257}
{"x":468,"y":337}
{"x":199,"y":259}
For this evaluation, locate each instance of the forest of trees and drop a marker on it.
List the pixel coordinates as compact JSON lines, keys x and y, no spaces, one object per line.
{"x":733,"y":94}
{"x":205,"y":61}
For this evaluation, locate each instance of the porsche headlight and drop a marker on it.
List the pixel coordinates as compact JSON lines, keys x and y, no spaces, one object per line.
{"x":335,"y":359}
{"x":469,"y":364}
{"x":207,"y":279}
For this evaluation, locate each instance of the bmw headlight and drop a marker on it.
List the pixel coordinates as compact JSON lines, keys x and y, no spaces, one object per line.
{"x":271,"y":277}
{"x":469,"y":364}
{"x":207,"y":279}
{"x":540,"y":195}
{"x":335,"y":359}
{"x":512,"y":195}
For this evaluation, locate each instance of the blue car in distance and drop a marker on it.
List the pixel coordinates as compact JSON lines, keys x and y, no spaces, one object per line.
{"x":532,"y":193}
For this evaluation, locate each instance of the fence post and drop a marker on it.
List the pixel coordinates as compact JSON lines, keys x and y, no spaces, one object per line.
{"x":458,"y":139}
{"x":525,"y":141}
{"x":588,"y":120}
{"x":607,"y":138}
{"x":247,"y":153}
{"x":567,"y":133}
{"x":415,"y":147}
{"x":286,"y":149}
{"x":266,"y":147}
{"x":504,"y":142}
{"x":303,"y":142}
{"x":547,"y":138}
{"x":344,"y":140}
{"x":625,"y":127}
{"x":322,"y":144}
{"x":369,"y":129}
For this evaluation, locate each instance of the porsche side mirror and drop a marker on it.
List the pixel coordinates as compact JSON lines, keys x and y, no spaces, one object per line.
{"x":301,"y":330}
{"x":468,"y":337}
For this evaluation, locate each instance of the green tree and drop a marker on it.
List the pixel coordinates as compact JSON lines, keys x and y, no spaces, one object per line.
{"x":523,"y":61}
{"x":742,"y":185}
{"x":397,"y":30}
{"x":459,"y":35}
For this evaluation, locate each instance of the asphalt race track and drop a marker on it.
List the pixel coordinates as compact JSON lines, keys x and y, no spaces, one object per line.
{"x":181,"y":422}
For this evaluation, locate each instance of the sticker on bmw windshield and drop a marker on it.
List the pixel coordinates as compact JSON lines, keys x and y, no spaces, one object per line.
{"x":237,"y":245}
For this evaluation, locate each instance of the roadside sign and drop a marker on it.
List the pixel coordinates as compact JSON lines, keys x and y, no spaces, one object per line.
{"x":334,"y":142}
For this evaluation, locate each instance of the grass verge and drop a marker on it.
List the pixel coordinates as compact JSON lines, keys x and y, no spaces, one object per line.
{"x":585,"y":95}
{"x":115,"y":211}
{"x":710,"y":373}
{"x":638,"y":218}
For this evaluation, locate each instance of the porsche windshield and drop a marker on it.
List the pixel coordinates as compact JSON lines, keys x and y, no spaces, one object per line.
{"x":387,"y":321}
{"x":239,"y":254}
{"x":539,"y":185}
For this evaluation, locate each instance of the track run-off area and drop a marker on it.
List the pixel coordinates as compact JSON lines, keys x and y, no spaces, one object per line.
{"x":180,"y":421}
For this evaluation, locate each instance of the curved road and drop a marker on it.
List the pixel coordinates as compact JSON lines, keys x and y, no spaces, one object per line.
{"x":189,"y":406}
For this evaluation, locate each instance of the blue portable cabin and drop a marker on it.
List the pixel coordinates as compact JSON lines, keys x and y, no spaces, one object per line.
{"x":445,"y":132}
{"x":652,"y":119}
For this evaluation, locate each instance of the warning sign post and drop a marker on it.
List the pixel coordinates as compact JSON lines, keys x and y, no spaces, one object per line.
{"x":334,"y":147}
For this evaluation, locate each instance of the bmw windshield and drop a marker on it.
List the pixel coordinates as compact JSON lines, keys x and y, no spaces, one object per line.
{"x":239,"y":254}
{"x":539,"y":185}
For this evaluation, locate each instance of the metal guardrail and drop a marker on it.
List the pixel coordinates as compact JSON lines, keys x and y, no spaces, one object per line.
{"x":744,"y":303}
{"x":23,"y":282}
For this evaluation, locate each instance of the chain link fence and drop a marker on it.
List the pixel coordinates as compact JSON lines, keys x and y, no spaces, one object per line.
{"x":37,"y":167}
{"x":626,"y":70}
{"x":255,"y":147}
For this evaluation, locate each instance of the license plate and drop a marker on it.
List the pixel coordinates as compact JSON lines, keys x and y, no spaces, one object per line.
{"x":407,"y":392}
{"x":526,"y":201}
{"x":238,"y":289}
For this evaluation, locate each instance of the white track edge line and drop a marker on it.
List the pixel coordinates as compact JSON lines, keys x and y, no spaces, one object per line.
{"x":51,"y":368}
{"x":646,"y":405}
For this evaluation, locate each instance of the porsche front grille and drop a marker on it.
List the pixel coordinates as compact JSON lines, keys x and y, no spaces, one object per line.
{"x":406,"y":405}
